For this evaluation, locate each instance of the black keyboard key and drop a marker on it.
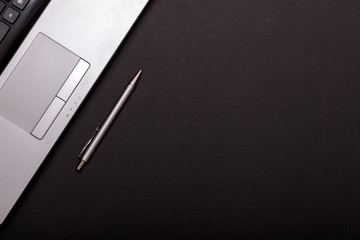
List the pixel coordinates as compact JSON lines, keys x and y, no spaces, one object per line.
{"x":11,"y":15}
{"x":2,"y":6}
{"x":3,"y":30}
{"x":20,"y":4}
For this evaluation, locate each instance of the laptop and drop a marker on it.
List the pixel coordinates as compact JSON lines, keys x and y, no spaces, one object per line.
{"x":54,"y":52}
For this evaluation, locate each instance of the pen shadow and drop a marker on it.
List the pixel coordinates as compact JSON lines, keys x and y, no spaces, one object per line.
{"x":10,"y":217}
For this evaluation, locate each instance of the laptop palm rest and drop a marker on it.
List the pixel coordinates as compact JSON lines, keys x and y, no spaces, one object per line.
{"x":40,"y":85}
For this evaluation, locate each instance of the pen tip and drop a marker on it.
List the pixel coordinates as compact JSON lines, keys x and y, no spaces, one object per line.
{"x":136,"y":78}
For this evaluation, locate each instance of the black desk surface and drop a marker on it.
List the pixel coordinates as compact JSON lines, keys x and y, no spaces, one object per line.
{"x":245,"y":123}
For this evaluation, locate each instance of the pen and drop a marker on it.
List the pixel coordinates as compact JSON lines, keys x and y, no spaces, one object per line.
{"x":99,"y":133}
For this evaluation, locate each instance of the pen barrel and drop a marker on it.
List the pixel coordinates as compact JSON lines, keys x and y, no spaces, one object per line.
{"x":107,"y":123}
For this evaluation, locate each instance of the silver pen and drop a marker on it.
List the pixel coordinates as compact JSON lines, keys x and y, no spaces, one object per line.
{"x":99,"y":133}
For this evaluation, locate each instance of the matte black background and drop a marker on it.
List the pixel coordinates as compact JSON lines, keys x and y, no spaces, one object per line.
{"x":245,"y":124}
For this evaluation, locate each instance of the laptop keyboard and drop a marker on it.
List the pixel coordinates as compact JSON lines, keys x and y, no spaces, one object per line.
{"x":16,"y":19}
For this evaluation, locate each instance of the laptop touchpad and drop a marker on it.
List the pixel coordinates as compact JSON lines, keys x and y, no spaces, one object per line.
{"x":40,"y":84}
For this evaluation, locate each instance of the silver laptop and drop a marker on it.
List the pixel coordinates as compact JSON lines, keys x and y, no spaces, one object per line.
{"x":49,"y":75}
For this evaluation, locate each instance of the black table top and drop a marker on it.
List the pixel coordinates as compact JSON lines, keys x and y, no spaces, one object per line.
{"x":245,"y":123}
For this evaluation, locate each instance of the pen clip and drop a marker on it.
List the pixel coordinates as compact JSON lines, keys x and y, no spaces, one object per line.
{"x":89,"y":141}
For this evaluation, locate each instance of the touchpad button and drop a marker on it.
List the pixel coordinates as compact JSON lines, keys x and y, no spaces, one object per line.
{"x":35,"y":81}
